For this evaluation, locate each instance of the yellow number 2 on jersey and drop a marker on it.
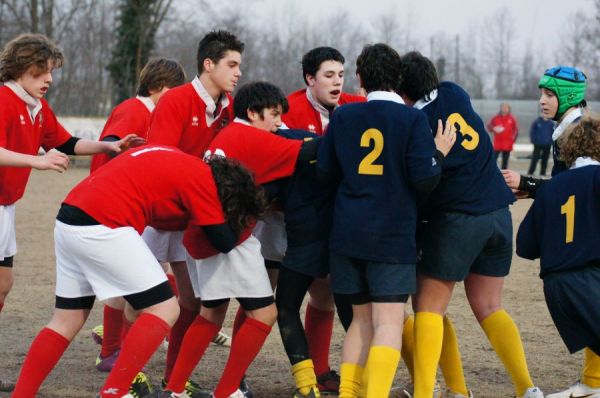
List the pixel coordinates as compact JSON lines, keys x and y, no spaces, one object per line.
{"x":466,"y":130}
{"x":366,"y":166}
{"x":568,"y":209}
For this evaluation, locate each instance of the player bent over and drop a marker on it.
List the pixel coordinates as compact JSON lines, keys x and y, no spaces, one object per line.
{"x":381,"y":152}
{"x":241,"y":273}
{"x":101,"y":254}
{"x":562,"y":229}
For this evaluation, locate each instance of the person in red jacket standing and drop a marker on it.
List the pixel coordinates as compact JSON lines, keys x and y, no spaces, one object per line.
{"x":505,"y":128}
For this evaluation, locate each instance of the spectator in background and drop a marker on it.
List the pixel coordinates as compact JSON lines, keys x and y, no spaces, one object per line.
{"x":541,"y":138}
{"x":505,"y":128}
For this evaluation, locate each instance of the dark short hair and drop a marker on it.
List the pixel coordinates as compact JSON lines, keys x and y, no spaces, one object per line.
{"x":241,"y":199}
{"x":379,"y":68}
{"x":312,"y":60}
{"x":28,"y":50}
{"x":258,"y":96}
{"x":418,"y":76}
{"x":159,"y":73}
{"x":214,"y":45}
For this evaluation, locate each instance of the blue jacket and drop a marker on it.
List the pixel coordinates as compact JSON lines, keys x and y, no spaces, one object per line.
{"x":541,"y":131}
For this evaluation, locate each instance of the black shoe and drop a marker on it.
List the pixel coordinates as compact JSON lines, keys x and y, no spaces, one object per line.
{"x":245,"y":388}
{"x":141,"y":386}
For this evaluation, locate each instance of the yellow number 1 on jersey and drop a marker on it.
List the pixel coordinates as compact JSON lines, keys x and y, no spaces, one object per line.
{"x":366,"y":166}
{"x":568,"y":209}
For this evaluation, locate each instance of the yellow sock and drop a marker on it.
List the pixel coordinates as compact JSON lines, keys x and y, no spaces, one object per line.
{"x":364,"y":382}
{"x":504,"y":337}
{"x":591,"y":369}
{"x":381,"y":364}
{"x":304,"y":375}
{"x":450,"y":362}
{"x":408,"y":345}
{"x":429,"y":332}
{"x":350,"y":378}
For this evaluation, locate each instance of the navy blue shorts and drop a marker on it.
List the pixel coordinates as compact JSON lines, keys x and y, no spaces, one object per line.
{"x":311,"y":259}
{"x":573,"y":299}
{"x":457,"y":244}
{"x":375,"y":280}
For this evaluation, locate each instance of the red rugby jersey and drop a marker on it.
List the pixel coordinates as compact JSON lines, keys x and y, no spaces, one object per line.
{"x":131,"y":116}
{"x":19,"y":134}
{"x":150,"y":185}
{"x":180,"y":120}
{"x":265,"y":154}
{"x":303,"y":115}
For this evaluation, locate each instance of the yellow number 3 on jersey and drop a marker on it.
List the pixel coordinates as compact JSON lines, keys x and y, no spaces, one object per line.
{"x":466,"y":130}
{"x":366,"y":166}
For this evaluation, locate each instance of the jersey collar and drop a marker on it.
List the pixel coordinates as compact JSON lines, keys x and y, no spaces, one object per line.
{"x":34,"y":105}
{"x":570,"y":118}
{"x":323,"y":112}
{"x":211,"y":106}
{"x":584,"y":161}
{"x":241,"y":121}
{"x":384,"y":96}
{"x":422,"y":103}
{"x":147,"y":102}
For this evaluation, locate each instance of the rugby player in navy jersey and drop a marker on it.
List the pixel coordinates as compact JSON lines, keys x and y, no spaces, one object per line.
{"x":562,"y":229}
{"x":471,"y":202}
{"x":381,"y":153}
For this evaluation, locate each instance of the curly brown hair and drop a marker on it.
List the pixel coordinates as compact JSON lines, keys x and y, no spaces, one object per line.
{"x":242,"y":200}
{"x":28,"y":50}
{"x":581,"y":139}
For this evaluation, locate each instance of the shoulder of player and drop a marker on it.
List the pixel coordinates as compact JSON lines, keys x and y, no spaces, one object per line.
{"x":346,"y":98}
{"x":179,"y":94}
{"x":295,"y":134}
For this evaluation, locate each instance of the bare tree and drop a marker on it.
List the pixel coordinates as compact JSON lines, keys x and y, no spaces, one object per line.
{"x":499,"y":51}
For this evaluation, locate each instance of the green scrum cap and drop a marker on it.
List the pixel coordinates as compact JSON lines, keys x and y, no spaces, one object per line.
{"x":568,"y":84}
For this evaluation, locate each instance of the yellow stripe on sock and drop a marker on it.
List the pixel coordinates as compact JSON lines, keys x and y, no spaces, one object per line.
{"x":304,"y":375}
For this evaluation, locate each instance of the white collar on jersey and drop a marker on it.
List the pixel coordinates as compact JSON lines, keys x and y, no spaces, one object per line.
{"x":34,"y":105}
{"x":147,"y":102}
{"x":384,"y":96}
{"x":211,"y":106}
{"x":584,"y":161}
{"x":241,"y":121}
{"x":323,"y":112}
{"x":569,"y":118}
{"x":422,"y":103}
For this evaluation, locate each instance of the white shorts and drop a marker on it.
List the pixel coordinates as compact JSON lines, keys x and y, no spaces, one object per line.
{"x":239,"y":273}
{"x":8,"y":240}
{"x":271,"y":233}
{"x":167,"y":246}
{"x":101,"y":261}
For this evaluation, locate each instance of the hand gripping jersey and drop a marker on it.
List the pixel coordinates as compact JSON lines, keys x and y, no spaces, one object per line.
{"x":131,"y":116}
{"x":471,"y":182}
{"x":303,"y":115}
{"x":136,"y":189}
{"x":181,"y":120}
{"x":19,"y":133}
{"x":562,"y":226}
{"x":379,"y":150}
{"x":265,"y":154}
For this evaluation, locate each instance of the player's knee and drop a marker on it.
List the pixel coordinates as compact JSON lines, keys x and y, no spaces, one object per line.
{"x":482,"y":310}
{"x":6,"y":283}
{"x":266,"y":315}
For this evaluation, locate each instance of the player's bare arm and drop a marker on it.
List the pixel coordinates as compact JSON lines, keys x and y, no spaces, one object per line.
{"x":54,"y":160}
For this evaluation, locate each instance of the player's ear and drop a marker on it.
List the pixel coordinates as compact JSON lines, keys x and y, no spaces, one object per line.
{"x":253,"y":116}
{"x":310,"y":79}
{"x":208,"y":64}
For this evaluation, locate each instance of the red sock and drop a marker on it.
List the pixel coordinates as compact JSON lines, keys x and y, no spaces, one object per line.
{"x":196,"y":340}
{"x":44,"y":353}
{"x":318,"y":326}
{"x":240,"y":317}
{"x":245,"y":347}
{"x":186,"y":317}
{"x":144,"y":337}
{"x":1,"y":306}
{"x":113,"y":322}
{"x":125,"y":326}
{"x":173,"y":284}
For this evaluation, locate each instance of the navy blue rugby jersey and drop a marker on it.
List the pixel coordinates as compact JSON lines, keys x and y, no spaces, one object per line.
{"x":471,"y":181}
{"x":562,"y":226}
{"x":377,"y":150}
{"x":307,"y":204}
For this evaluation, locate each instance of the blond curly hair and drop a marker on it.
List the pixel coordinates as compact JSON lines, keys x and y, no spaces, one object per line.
{"x":581,"y":140}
